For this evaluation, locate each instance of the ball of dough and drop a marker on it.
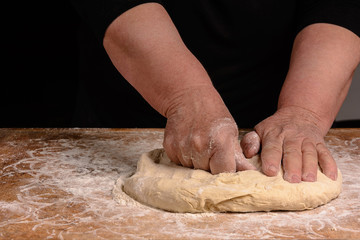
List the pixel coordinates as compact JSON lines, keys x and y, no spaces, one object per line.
{"x":162,"y":184}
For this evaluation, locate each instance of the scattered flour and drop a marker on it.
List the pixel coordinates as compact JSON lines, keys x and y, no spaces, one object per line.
{"x":68,"y":194}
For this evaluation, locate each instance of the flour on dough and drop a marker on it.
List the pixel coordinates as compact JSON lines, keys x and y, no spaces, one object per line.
{"x":162,"y":184}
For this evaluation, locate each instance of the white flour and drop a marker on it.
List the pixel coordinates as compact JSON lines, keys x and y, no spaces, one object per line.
{"x":83,"y":173}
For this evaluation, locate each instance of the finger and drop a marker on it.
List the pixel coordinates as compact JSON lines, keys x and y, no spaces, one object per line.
{"x":186,"y":159}
{"x":271,"y":155}
{"x":292,"y":161}
{"x":201,"y":153}
{"x":169,"y":148}
{"x":184,"y":153}
{"x":223,"y":155}
{"x":309,"y":161}
{"x":201,"y":162}
{"x":250,"y":144}
{"x":241,"y":162}
{"x":326,"y":161}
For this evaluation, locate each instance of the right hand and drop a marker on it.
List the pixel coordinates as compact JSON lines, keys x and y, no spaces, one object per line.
{"x":200,"y":133}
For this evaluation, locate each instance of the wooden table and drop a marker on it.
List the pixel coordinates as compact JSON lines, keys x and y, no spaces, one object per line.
{"x":57,"y":183}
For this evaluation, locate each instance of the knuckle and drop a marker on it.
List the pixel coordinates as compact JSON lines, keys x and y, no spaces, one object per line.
{"x":221,"y":141}
{"x":198,"y":142}
{"x":292,"y":151}
{"x":182,"y":143}
{"x":272,"y":148}
{"x":310,"y":155}
{"x":222,"y":136}
{"x":225,"y":126}
{"x":325,"y":155}
{"x":321,"y":146}
{"x":322,"y":150}
{"x":308,"y":147}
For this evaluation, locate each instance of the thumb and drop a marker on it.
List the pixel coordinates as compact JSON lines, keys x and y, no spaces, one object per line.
{"x":241,"y":162}
{"x":250,"y":144}
{"x":223,"y":156}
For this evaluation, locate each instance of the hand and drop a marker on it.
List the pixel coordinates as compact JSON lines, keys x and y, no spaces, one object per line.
{"x":293,"y":135}
{"x":201,"y":133}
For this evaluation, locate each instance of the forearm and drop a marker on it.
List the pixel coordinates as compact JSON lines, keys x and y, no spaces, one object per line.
{"x":147,"y":50}
{"x":323,"y":60}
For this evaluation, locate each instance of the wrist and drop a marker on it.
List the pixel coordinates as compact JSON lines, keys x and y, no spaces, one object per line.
{"x":198,"y":98}
{"x":300,"y":113}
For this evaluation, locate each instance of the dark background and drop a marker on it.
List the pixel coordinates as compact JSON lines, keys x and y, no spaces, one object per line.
{"x":40,"y":64}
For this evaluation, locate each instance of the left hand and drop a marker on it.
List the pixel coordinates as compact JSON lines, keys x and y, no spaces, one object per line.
{"x":295,"y":136}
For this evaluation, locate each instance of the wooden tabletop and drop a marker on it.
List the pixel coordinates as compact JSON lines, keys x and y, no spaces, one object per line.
{"x":57,"y":183}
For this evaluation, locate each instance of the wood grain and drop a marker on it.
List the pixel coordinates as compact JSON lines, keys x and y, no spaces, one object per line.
{"x":57,"y":183}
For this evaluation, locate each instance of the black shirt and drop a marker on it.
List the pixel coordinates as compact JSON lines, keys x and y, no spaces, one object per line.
{"x":245,"y":47}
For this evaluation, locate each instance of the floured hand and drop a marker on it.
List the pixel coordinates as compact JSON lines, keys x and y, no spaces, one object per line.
{"x":201,"y":133}
{"x":293,"y":136}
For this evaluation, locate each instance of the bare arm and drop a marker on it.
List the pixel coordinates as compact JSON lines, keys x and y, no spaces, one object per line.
{"x":324,"y":58}
{"x":323,"y":62}
{"x":147,"y":50}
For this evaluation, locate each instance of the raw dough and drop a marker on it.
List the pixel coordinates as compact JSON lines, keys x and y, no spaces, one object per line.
{"x":162,"y":184}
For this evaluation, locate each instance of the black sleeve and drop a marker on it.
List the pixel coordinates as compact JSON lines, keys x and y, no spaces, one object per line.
{"x":98,"y":14}
{"x":344,"y":13}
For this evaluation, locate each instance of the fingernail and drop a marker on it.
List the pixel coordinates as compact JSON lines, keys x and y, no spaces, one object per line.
{"x":333,"y":176}
{"x":292,"y":179}
{"x":272,"y":170}
{"x":310,"y":177}
{"x":295,"y":179}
